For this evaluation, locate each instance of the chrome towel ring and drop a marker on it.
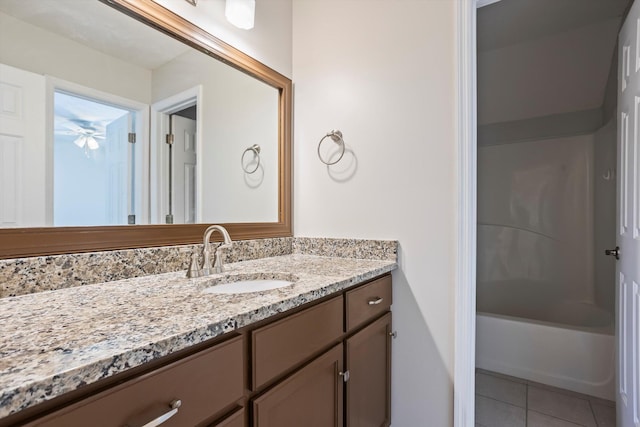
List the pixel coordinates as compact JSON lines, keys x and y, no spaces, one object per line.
{"x":255,"y":149}
{"x":336,"y":136}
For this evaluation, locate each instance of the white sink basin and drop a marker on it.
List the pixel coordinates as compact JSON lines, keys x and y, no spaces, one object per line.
{"x":247,"y":286}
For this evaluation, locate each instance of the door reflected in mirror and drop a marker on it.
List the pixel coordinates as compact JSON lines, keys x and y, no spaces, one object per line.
{"x":129,"y":126}
{"x":94,"y":162}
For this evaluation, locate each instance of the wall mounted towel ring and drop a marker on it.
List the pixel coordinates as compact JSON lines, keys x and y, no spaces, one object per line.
{"x":255,"y":149}
{"x":336,"y":136}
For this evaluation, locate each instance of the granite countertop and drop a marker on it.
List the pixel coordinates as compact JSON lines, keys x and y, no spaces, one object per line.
{"x":56,"y":341}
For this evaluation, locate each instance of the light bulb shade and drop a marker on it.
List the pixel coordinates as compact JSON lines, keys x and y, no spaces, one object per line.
{"x":92,"y":143}
{"x":80,"y":141}
{"x":240,"y":13}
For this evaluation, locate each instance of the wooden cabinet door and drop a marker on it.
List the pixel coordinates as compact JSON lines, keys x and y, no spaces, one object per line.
{"x":311,"y":397}
{"x":368,"y":391}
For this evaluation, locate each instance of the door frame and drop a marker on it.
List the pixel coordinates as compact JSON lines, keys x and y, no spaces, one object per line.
{"x":53,"y":84}
{"x":160,"y":112}
{"x":466,"y":164}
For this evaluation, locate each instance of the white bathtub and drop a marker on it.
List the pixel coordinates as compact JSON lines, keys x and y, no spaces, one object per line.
{"x":564,"y":344}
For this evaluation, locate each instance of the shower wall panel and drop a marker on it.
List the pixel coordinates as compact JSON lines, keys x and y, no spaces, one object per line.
{"x":535,"y":215}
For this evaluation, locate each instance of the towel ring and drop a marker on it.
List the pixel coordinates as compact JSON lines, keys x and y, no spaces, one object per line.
{"x":336,"y":136}
{"x":255,"y":148}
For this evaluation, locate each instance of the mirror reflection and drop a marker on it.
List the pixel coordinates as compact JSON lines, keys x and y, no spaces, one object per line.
{"x":105,"y":121}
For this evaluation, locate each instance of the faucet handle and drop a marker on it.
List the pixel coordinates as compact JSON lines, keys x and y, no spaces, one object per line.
{"x":218,"y":264}
{"x":206,"y":260}
{"x":194,"y":268}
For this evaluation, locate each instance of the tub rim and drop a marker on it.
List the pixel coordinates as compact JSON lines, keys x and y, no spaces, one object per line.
{"x":600,"y":330}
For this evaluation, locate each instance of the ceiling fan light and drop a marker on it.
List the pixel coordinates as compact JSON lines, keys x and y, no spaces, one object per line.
{"x":240,"y":13}
{"x":80,"y":141}
{"x":92,"y":143}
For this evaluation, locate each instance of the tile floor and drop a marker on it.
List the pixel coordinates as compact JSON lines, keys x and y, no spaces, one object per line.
{"x":504,"y":401}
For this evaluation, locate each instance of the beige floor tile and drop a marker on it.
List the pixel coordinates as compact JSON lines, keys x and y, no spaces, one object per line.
{"x":501,"y":389}
{"x":566,"y":407}
{"x":536,"y":419}
{"x":605,"y":415}
{"x":493,"y":413}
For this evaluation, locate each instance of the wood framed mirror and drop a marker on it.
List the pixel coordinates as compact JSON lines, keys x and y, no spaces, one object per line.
{"x":18,"y":241}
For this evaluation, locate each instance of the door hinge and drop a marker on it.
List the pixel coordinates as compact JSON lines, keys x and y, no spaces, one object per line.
{"x":170,"y":138}
{"x":132,"y":137}
{"x":131,"y":219}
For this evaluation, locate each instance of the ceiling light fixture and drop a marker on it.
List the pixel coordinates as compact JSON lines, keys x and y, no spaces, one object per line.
{"x":87,"y":140}
{"x":240,"y":13}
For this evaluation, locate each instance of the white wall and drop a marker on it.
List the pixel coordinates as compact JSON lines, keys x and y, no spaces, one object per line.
{"x":269,"y":41}
{"x":383,"y":72}
{"x":238,"y":111}
{"x":79,"y":185}
{"x":33,"y":49}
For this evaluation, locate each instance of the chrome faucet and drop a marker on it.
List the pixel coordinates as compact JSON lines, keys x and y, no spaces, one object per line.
{"x":218,"y":264}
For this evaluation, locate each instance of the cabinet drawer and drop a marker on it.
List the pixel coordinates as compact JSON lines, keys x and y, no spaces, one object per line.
{"x":368,"y":301}
{"x":284,"y":344}
{"x":205,"y":383}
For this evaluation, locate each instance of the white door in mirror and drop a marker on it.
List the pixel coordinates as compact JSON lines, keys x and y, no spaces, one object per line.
{"x":22,"y":150}
{"x":247,"y":286}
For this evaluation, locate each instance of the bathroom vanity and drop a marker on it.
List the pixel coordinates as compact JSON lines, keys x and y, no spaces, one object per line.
{"x":161,"y":348}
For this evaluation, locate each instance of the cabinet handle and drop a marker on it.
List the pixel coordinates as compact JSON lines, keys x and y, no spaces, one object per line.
{"x":164,"y":417}
{"x":376,"y":301}
{"x":393,"y":334}
{"x":345,"y":375}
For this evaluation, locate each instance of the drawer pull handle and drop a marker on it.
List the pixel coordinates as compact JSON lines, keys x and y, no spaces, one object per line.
{"x":345,"y":375}
{"x":164,"y":417}
{"x":376,"y":301}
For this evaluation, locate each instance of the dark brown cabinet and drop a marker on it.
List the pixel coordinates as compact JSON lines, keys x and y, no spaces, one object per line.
{"x":324,"y":365}
{"x":308,"y":396}
{"x":367,"y":302}
{"x":281,"y":345}
{"x":368,"y":360}
{"x":237,"y":419}
{"x":312,"y":396}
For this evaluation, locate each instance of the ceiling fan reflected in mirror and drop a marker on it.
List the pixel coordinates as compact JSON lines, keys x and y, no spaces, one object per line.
{"x":87,"y":135}
{"x":89,"y":140}
{"x":86,"y":119}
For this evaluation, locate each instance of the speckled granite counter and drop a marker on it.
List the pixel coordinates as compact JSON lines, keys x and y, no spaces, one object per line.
{"x":56,"y":341}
